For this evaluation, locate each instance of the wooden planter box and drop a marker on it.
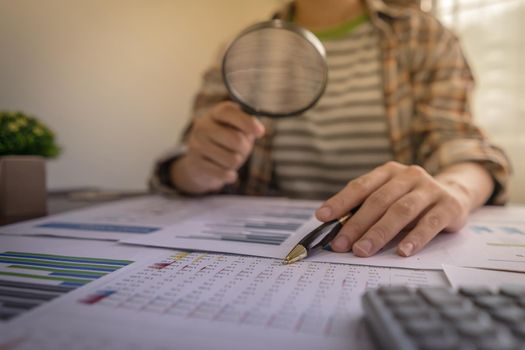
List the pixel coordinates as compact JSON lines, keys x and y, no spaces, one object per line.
{"x":22,"y":188}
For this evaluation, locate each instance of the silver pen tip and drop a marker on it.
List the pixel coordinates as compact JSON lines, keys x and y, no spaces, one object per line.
{"x":298,"y":252}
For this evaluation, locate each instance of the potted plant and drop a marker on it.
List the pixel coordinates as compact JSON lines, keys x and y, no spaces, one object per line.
{"x":24,"y":144}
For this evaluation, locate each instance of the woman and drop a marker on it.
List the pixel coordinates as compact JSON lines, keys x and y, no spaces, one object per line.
{"x":393,"y":132}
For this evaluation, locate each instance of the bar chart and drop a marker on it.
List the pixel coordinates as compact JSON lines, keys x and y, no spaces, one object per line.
{"x":28,"y":280}
{"x":257,"y":223}
{"x":268,"y":227}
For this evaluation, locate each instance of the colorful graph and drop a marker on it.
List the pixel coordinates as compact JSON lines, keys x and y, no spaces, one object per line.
{"x":28,"y":280}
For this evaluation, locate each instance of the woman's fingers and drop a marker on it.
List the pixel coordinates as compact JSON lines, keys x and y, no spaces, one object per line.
{"x":206,"y":175}
{"x":219,"y":143}
{"x":355,"y":192}
{"x":398,"y":216}
{"x":219,"y":155}
{"x":231,"y":114}
{"x":230,"y":139}
{"x":432,"y":223}
{"x":449,"y":214}
{"x":372,"y":209}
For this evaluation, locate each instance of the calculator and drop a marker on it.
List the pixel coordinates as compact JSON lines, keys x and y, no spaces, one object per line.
{"x":440,"y":318}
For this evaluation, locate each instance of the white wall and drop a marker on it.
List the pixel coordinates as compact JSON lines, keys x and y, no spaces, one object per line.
{"x":113,"y":78}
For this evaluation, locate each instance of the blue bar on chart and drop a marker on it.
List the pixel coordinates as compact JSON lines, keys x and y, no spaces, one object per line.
{"x":99,"y":227}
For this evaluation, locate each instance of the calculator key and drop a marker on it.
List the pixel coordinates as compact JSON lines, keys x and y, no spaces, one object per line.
{"x":460,"y":313}
{"x":509,"y":314}
{"x":388,"y":290}
{"x":492,"y":344}
{"x":475,"y":291}
{"x":519,"y":331}
{"x":521,"y":301}
{"x":441,"y":297}
{"x":425,"y":327}
{"x":412,"y":312}
{"x":493,"y":301}
{"x":502,"y":340}
{"x":442,"y":342}
{"x":400,"y":300}
{"x":476,"y":329}
{"x":513,"y":290}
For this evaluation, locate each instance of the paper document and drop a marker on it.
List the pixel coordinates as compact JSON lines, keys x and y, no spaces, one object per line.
{"x":268,"y":227}
{"x":494,"y":237}
{"x":470,"y":277}
{"x":204,"y":301}
{"x":111,"y":221}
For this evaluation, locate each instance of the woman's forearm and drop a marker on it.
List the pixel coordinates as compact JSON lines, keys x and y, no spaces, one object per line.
{"x":470,"y":178}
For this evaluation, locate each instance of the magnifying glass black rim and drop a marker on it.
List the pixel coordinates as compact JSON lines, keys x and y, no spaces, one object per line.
{"x":276,"y":23}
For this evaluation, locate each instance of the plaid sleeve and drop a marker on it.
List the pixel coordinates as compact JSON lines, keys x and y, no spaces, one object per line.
{"x":444,"y":128}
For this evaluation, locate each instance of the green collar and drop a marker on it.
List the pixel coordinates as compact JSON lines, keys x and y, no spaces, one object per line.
{"x":342,"y":29}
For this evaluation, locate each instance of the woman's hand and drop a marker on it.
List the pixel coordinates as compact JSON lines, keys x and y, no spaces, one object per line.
{"x":218,"y":145}
{"x":396,"y":196}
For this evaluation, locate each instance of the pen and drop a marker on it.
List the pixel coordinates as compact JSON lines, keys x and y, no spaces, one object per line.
{"x":317,"y":238}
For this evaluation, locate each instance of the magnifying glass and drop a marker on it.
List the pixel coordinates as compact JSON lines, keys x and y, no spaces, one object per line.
{"x":275,"y":69}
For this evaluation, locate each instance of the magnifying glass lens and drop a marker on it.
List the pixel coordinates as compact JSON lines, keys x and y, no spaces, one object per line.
{"x":274,"y":70}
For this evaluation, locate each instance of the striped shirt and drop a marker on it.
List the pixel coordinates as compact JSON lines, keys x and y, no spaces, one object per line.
{"x":426,"y":85}
{"x":346,"y":134}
